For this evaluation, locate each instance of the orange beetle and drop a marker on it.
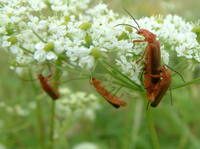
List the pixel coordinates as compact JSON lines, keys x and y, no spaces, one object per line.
{"x":52,"y":92}
{"x":112,"y":99}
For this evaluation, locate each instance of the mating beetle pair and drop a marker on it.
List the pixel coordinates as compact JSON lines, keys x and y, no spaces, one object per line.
{"x":157,"y":78}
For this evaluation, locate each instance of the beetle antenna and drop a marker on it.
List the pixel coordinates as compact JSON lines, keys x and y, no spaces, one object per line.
{"x":127,"y":25}
{"x":176,"y":72}
{"x":132,"y":17}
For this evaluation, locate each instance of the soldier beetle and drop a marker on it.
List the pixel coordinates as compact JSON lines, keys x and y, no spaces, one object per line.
{"x":112,"y":99}
{"x":52,"y":92}
{"x":152,"y":63}
{"x":152,"y":51}
{"x":160,"y":88}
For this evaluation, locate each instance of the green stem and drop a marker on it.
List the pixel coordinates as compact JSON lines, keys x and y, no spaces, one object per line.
{"x":53,"y":110}
{"x":183,"y":141}
{"x":195,"y":81}
{"x":136,"y":123}
{"x":38,"y":36}
{"x":40,"y":120}
{"x":52,"y":123}
{"x":115,"y":70}
{"x":152,"y":131}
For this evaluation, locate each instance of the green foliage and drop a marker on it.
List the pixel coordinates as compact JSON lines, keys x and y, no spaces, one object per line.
{"x":123,"y":36}
{"x":196,"y":30}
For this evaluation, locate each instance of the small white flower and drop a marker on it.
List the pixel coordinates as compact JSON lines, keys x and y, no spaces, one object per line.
{"x":20,"y":111}
{"x":39,"y":55}
{"x":51,"y":56}
{"x":15,"y":49}
{"x":164,"y":55}
{"x":2,"y":30}
{"x":87,"y":61}
{"x":37,"y":5}
{"x":6,"y":44}
{"x":39,"y":46}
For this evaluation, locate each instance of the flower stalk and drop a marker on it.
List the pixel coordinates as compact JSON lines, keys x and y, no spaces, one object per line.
{"x":52,"y":124}
{"x":152,"y":131}
{"x":56,"y":78}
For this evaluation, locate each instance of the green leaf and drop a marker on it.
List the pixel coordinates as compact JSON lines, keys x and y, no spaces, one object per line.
{"x":129,"y":29}
{"x":123,"y":36}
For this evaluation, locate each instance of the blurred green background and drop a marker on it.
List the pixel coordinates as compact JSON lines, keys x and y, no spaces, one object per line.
{"x":177,"y":126}
{"x":187,"y":9}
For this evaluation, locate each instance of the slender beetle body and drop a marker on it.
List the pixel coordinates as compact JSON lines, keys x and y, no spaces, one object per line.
{"x":112,"y":99}
{"x":161,"y":86}
{"x":52,"y":92}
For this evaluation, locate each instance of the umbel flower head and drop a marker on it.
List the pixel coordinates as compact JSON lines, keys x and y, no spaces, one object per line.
{"x":38,"y":32}
{"x":79,"y":103}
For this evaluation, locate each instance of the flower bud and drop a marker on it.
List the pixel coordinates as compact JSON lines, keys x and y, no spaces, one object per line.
{"x":67,"y":18}
{"x":49,"y":46}
{"x":159,"y":20}
{"x":96,"y":53}
{"x":88,"y":40}
{"x":85,"y":26}
{"x":9,"y":29}
{"x":12,"y":39}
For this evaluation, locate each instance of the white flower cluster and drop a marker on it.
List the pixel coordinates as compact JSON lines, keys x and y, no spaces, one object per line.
{"x":17,"y":109}
{"x":78,"y":103}
{"x":174,"y":33}
{"x":42,"y":31}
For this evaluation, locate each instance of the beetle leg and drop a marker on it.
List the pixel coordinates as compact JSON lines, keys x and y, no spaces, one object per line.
{"x":49,"y":76}
{"x":139,"y":41}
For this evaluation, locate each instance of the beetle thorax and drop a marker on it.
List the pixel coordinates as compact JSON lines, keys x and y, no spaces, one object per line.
{"x":149,"y":36}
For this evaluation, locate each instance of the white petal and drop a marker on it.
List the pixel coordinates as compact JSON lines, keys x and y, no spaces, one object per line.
{"x":39,"y":46}
{"x":39,"y":55}
{"x":51,"y":56}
